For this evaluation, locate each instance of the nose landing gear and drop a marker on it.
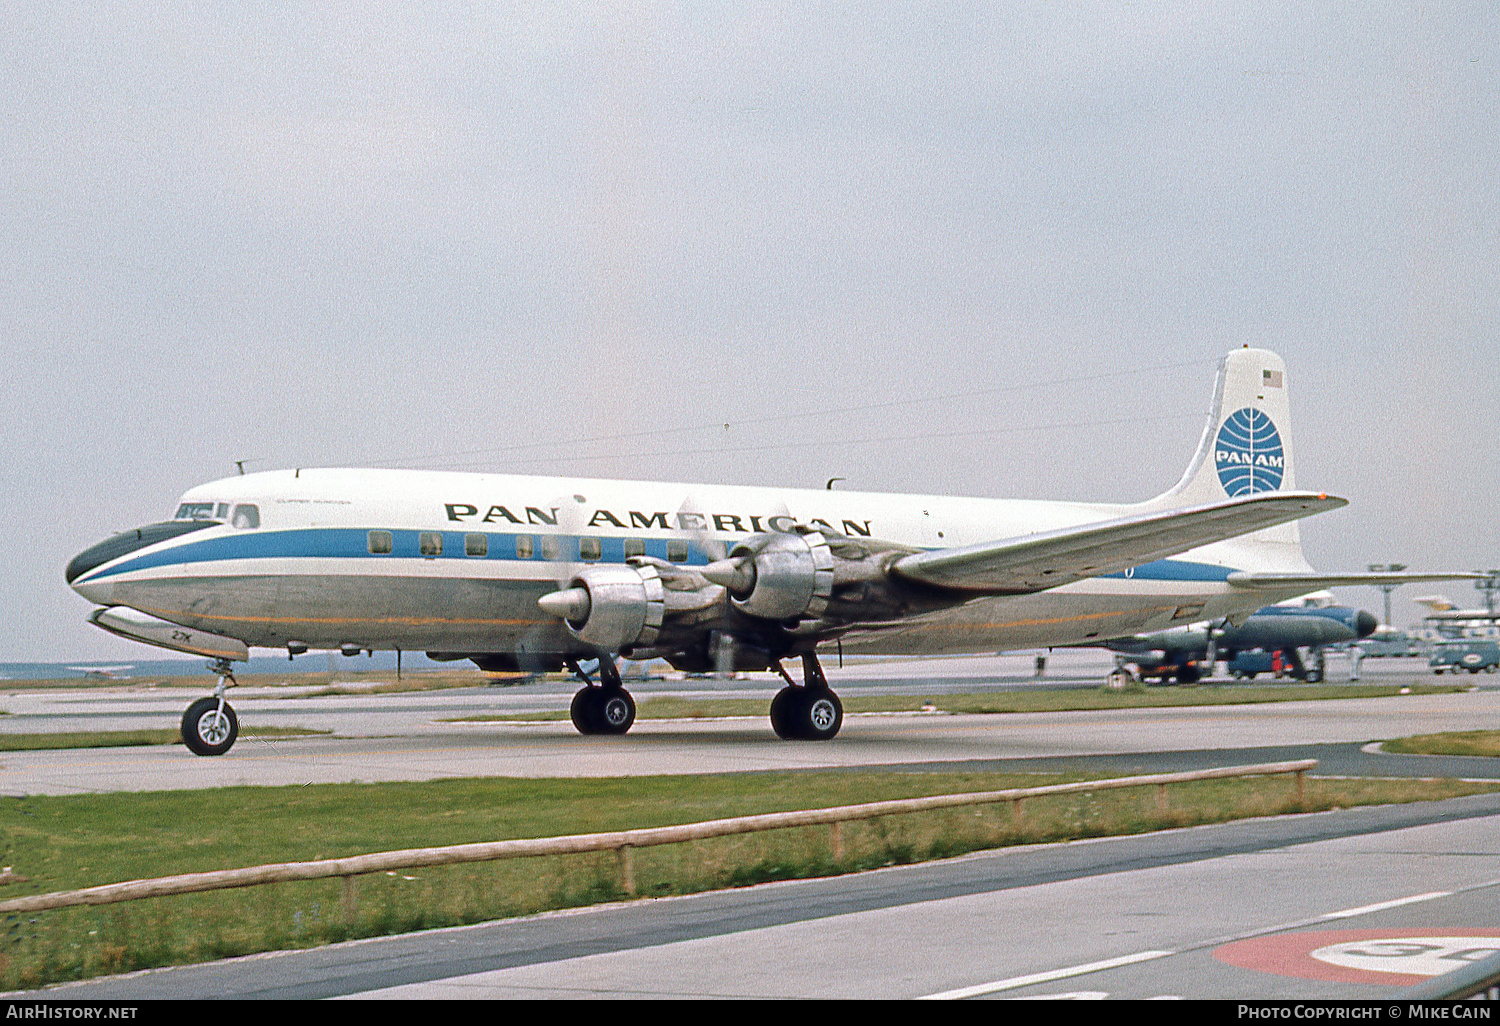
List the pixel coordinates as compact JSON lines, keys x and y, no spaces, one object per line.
{"x":210,"y":726}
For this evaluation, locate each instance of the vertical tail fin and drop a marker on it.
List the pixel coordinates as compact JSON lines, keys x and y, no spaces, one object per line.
{"x":1246,"y":445}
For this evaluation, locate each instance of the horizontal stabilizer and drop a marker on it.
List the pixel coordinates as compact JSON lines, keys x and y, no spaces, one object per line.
{"x":1315,"y":582}
{"x":1050,"y":559}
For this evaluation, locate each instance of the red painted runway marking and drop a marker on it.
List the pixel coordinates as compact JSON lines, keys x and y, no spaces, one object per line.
{"x":1404,"y":957}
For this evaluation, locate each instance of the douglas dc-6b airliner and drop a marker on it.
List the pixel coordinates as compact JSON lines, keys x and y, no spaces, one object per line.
{"x":538,"y":572}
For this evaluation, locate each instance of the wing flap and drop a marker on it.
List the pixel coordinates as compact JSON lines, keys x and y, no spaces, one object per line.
{"x":1051,"y":559}
{"x":1316,"y":582}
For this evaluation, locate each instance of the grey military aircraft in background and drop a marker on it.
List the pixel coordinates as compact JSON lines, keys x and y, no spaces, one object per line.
{"x":1190,"y":653}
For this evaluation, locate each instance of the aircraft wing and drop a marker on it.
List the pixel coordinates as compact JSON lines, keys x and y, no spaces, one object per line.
{"x":1049,"y":559}
{"x":1317,"y":582}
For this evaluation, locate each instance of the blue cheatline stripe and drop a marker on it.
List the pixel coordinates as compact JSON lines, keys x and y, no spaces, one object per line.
{"x":353,"y":543}
{"x":1175,"y":570}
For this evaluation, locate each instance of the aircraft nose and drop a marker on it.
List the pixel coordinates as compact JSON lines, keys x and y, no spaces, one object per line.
{"x":90,"y":558}
{"x":127,"y":542}
{"x":1364,"y":624}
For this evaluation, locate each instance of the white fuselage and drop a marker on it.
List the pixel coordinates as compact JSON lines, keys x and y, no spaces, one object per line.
{"x":455,"y":563}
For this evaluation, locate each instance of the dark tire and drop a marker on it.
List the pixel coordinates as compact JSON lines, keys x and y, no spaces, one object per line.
{"x":1187,"y":675}
{"x":781,"y":720}
{"x":205,"y":732}
{"x":582,"y":711}
{"x":613,"y":710}
{"x":806,"y":714}
{"x":602,"y":710}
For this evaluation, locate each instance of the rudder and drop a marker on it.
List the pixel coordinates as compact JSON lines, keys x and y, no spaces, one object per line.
{"x":1246,"y":446}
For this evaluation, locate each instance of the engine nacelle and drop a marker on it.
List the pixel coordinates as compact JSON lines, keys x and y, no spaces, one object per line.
{"x":778,"y":576}
{"x":611,"y":607}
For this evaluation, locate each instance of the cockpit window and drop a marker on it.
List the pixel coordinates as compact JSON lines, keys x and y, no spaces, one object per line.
{"x":195,"y":511}
{"x":246,"y":515}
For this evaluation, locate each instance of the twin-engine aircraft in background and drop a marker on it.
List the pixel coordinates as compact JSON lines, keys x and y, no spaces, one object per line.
{"x":540,"y":572}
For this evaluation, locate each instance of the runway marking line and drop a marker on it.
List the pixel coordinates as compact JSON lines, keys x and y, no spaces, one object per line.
{"x":1380,"y":906}
{"x":1046,"y":977}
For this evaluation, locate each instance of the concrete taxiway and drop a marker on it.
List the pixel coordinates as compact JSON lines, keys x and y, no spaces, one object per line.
{"x":420,"y":746}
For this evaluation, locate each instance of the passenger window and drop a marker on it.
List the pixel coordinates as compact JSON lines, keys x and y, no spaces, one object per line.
{"x":246,"y":515}
{"x":589,"y":548}
{"x":634,"y":547}
{"x":430,"y":543}
{"x":476,"y":545}
{"x":523,"y":546}
{"x":677,"y":550}
{"x":380,"y":543}
{"x":549,"y":546}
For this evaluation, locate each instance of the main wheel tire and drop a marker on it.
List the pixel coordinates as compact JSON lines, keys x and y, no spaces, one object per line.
{"x":806,"y":714}
{"x":206,"y":731}
{"x":781,"y":718}
{"x":613,"y":710}
{"x":581,"y":711}
{"x":820,"y":714}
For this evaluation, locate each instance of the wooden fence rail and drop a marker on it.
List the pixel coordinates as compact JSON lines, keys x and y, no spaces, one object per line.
{"x":620,"y":841}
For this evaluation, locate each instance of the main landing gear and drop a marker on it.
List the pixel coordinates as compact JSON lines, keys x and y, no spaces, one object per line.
{"x":603,"y":708}
{"x":809,"y":711}
{"x":210,"y":726}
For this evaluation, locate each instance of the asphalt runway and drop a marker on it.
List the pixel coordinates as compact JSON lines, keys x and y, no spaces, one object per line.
{"x":1352,"y":903}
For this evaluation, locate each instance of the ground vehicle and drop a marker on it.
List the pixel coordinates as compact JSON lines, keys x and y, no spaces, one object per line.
{"x":1465,"y":654}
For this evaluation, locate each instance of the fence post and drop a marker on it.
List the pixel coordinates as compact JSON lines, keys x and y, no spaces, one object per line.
{"x":349,"y":899}
{"x":1161,"y":799}
{"x":836,"y":832}
{"x":627,"y":870}
{"x":1301,"y":787}
{"x":1016,"y":812}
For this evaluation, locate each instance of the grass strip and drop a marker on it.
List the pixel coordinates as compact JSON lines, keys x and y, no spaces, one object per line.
{"x":61,"y":843}
{"x":1461,"y":742}
{"x":1029,"y":700}
{"x":129,"y":738}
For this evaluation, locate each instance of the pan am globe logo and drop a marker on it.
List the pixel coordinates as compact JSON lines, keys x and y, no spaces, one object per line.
{"x":1248,"y":453}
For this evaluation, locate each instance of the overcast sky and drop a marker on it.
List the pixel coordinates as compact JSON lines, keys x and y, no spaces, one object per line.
{"x":480,"y":237}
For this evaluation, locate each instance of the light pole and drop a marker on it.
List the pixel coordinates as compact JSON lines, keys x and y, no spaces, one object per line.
{"x":1386,"y":568}
{"x":1489,"y":585}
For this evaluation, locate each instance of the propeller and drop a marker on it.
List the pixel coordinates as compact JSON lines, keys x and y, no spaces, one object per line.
{"x":692,"y":518}
{"x":1216,"y":630}
{"x":564,"y":602}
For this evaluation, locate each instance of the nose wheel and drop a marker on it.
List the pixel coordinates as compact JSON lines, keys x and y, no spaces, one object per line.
{"x":210,"y":726}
